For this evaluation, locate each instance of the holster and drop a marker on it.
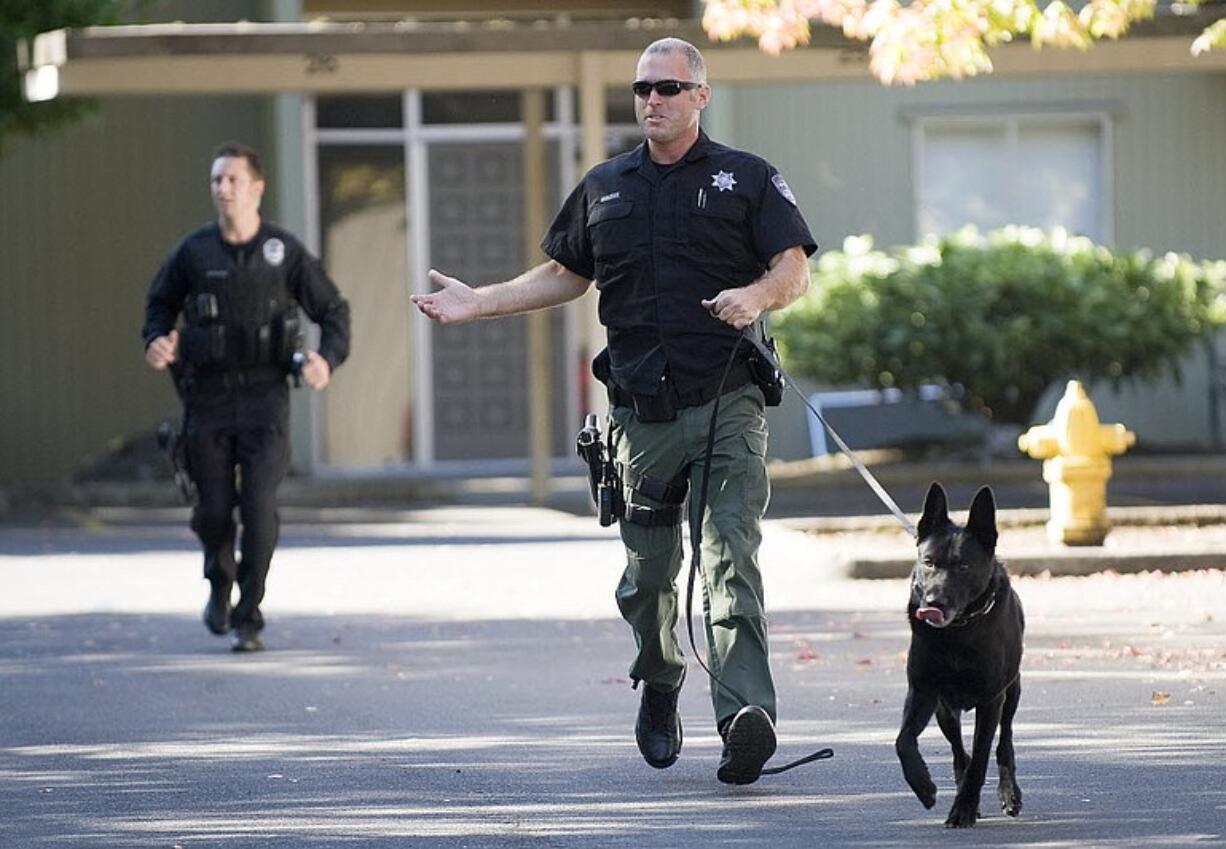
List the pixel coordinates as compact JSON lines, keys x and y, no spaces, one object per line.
{"x":765,"y":373}
{"x":605,"y":479}
{"x":171,"y":440}
{"x":601,"y":473}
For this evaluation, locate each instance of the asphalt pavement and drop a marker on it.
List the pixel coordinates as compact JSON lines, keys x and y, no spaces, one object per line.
{"x":455,"y":676}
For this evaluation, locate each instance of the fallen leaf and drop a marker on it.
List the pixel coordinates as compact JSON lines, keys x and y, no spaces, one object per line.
{"x":1159,"y":697}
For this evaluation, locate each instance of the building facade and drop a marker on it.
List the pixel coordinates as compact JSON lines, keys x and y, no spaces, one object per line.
{"x":388,"y":168}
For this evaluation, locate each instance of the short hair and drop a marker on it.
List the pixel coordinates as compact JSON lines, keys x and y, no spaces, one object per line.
{"x":697,"y":65}
{"x":238,"y":150}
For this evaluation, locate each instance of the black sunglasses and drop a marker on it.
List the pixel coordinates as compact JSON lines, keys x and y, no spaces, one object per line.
{"x":666,"y":88}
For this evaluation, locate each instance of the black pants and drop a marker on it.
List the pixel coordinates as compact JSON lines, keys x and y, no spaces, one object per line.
{"x":238,"y":468}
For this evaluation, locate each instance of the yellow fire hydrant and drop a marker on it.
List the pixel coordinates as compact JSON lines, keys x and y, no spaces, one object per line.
{"x":1076,"y":452}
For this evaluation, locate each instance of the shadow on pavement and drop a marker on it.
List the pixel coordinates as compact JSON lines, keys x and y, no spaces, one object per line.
{"x":382,"y":731}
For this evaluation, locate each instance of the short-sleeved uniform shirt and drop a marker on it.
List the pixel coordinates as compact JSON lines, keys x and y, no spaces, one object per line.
{"x":660,"y":239}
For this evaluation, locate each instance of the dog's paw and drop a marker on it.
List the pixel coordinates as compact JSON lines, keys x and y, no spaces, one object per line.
{"x":1010,"y":798}
{"x":926,"y":792}
{"x":962,"y":816}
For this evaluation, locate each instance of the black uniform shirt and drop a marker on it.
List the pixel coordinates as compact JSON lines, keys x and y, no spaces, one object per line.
{"x":658,"y":240}
{"x":250,"y":281}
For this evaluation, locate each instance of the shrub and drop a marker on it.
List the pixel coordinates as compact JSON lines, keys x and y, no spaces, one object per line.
{"x":997,"y":318}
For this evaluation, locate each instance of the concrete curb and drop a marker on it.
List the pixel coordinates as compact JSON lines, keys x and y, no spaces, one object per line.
{"x":889,"y":469}
{"x":1150,"y":539}
{"x":1057,"y":564}
{"x":1194,"y":515}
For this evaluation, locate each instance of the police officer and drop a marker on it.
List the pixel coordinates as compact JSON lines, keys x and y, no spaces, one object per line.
{"x":238,"y":284}
{"x":689,"y":242}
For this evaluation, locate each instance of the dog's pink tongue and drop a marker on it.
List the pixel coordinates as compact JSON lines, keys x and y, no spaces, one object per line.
{"x":930,"y":614}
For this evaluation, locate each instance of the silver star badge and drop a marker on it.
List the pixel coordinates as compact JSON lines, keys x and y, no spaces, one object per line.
{"x":723,"y":181}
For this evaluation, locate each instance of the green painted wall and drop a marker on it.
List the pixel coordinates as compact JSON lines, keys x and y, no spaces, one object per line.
{"x":846,"y":150}
{"x":87,"y":215}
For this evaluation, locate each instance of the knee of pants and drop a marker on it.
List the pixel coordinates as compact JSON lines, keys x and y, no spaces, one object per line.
{"x":213,"y":523}
{"x":653,"y":557}
{"x":734,"y":594}
{"x":259,"y":507}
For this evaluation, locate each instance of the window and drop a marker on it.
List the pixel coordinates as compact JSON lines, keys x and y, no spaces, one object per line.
{"x":1039,"y":170}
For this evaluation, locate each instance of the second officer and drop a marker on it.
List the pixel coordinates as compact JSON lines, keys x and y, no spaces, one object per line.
{"x":238,"y":284}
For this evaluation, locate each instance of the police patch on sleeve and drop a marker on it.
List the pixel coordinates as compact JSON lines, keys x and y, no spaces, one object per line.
{"x":274,"y":252}
{"x":782,"y":185}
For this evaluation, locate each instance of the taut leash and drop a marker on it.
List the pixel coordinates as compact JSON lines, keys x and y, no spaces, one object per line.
{"x":872,"y":482}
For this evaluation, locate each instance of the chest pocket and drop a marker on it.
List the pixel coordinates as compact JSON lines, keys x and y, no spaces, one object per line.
{"x":719,"y":213}
{"x":720,"y":232}
{"x":613,"y":229}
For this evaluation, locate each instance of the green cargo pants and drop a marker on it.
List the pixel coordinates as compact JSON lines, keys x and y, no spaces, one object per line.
{"x":733,"y":610}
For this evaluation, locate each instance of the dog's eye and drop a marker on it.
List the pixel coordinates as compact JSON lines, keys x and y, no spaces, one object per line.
{"x":928,"y":563}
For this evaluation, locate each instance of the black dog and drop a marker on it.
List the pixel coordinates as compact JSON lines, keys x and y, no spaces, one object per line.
{"x":966,"y":650}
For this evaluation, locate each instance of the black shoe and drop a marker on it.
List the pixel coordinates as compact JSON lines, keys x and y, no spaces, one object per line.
{"x":246,"y":639}
{"x":658,"y":729}
{"x":749,"y":742}
{"x":217,"y":611}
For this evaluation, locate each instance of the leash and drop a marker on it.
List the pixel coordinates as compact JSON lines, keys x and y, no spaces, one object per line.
{"x":696,"y":564}
{"x":872,"y":482}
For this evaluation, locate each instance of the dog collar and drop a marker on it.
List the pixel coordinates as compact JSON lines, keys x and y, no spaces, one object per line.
{"x":982,"y":611}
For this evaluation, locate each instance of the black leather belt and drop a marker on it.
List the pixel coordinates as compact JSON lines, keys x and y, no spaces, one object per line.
{"x":663,"y":405}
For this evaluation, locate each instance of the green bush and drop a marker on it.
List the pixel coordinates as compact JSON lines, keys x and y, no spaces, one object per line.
{"x":998,"y":317}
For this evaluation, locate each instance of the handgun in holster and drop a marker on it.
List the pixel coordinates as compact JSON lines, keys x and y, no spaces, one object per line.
{"x":170,"y":440}
{"x":601,"y":471}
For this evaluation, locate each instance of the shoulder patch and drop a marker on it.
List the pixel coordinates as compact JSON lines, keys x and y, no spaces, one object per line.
{"x":782,"y":185}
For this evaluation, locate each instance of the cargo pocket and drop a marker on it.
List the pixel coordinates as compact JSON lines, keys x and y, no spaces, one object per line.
{"x":757,"y":481}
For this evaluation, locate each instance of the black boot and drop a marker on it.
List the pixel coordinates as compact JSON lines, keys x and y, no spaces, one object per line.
{"x":246,"y":638}
{"x":749,"y":742}
{"x":658,"y":729}
{"x":217,"y":611}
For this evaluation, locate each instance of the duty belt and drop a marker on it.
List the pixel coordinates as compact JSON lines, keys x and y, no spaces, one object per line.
{"x":232,"y":378}
{"x":663,"y":405}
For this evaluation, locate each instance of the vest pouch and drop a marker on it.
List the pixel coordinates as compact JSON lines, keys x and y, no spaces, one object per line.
{"x":286,"y":339}
{"x":203,"y":345}
{"x":262,"y":348}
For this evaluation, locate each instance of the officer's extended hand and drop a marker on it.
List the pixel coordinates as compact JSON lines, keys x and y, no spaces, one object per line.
{"x":163,"y":350}
{"x":315,"y":371}
{"x":454,"y":302}
{"x":738,"y":307}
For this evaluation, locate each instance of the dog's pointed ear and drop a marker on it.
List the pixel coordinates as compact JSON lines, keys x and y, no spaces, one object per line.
{"x":981,"y":523}
{"x":936,"y":511}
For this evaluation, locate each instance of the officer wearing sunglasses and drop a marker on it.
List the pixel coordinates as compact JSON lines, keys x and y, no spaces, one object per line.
{"x":689,"y":242}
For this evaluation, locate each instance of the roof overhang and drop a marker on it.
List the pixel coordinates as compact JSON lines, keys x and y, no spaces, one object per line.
{"x":247,"y":58}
